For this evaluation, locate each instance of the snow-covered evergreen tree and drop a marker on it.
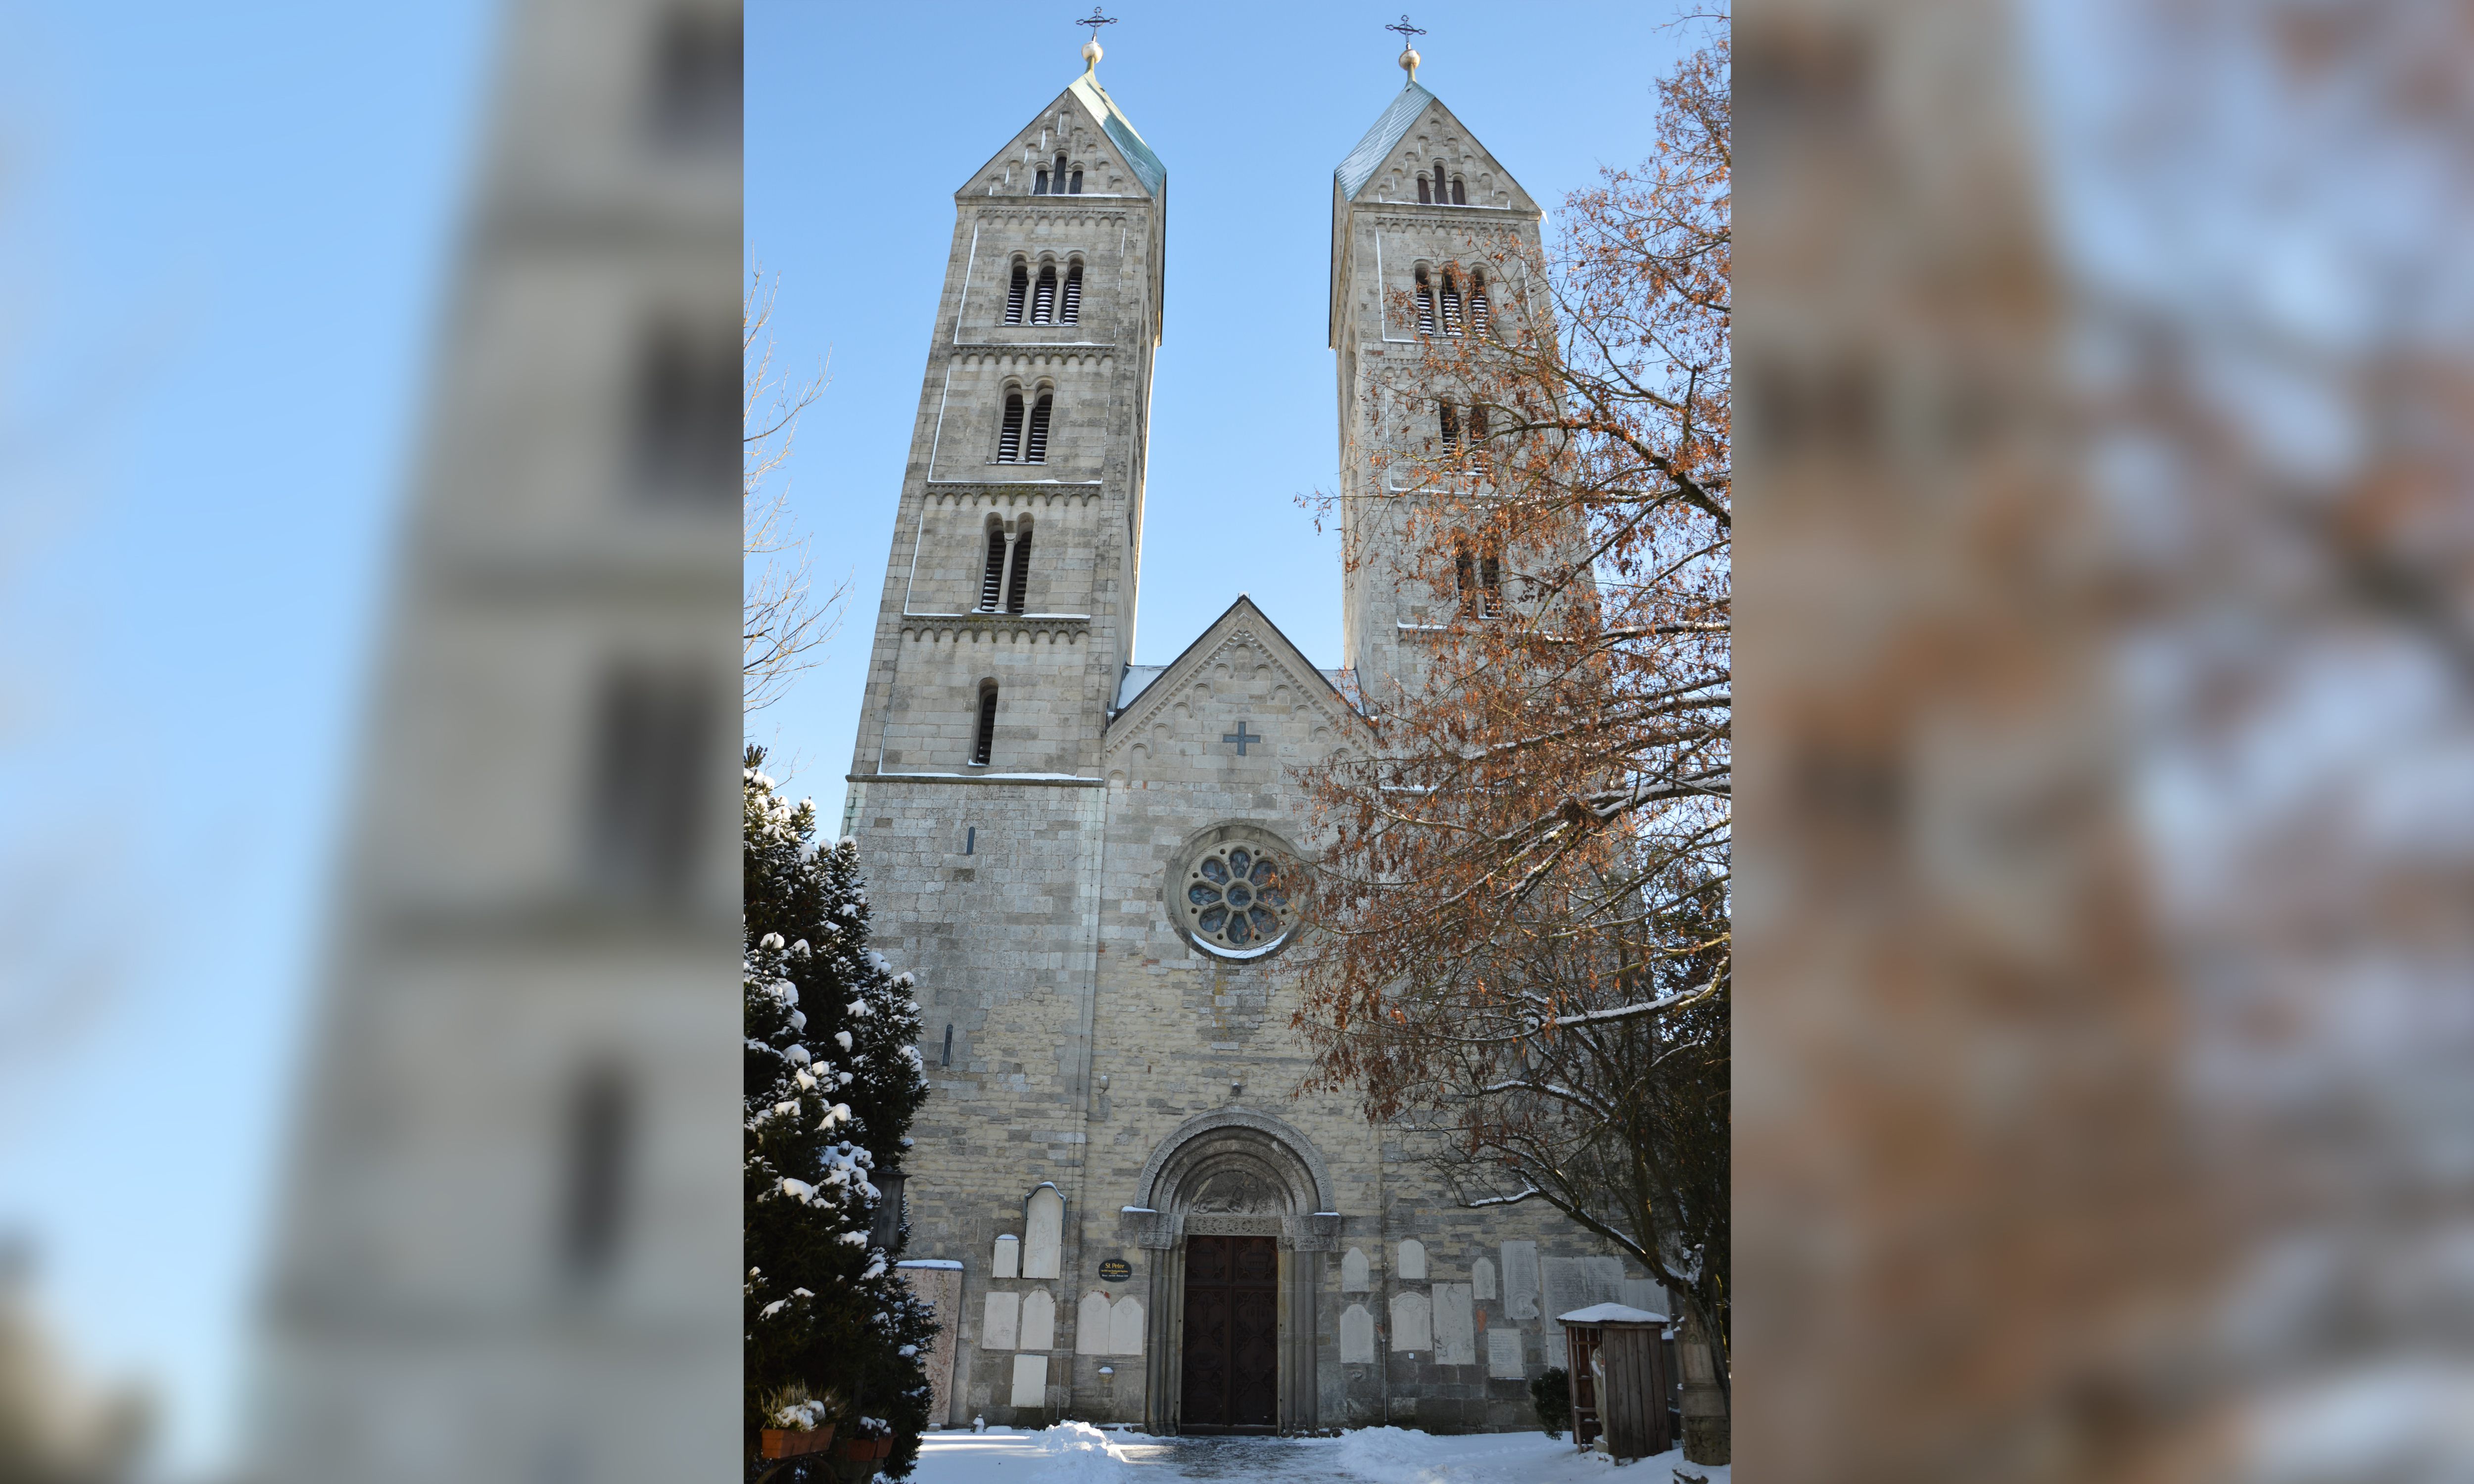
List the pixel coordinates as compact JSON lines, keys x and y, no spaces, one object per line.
{"x":832,"y":1077}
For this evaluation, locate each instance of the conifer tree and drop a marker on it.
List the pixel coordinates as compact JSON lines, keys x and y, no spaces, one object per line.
{"x":833,"y":1076}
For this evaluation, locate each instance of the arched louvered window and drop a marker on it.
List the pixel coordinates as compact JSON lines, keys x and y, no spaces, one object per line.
{"x":992,"y":577}
{"x":984,"y":740}
{"x":1039,"y":185}
{"x":1016,"y":290}
{"x":1071,"y":312}
{"x":1010,"y":437}
{"x":1489,"y":586}
{"x":1061,"y":174}
{"x":1425,"y":189}
{"x":1439,"y":186}
{"x":1451,"y":424}
{"x":1476,"y":428}
{"x":1043,"y":298}
{"x":1460,"y":191}
{"x":1464,"y":577}
{"x":1426,"y":303}
{"x":1075,"y":186}
{"x":1477,"y":303}
{"x":1018,"y":582}
{"x":1036,"y":451}
{"x":1451,"y":305}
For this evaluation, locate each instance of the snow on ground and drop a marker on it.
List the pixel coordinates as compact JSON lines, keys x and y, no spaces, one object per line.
{"x":1080,"y":1453}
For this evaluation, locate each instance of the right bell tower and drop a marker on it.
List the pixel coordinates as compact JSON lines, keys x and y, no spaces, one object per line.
{"x":1417,"y":209}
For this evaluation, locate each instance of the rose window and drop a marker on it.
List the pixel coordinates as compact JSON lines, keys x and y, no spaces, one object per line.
{"x":1236,"y":900}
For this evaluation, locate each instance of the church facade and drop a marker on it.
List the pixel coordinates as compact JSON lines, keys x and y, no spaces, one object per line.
{"x":1122,"y":1211}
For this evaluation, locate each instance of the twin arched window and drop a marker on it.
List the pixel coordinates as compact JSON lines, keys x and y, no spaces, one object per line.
{"x":1449,"y":301}
{"x":1057,"y":180}
{"x":1045,"y":300}
{"x":1004,"y":582}
{"x":1479,"y":575}
{"x":1020,"y":440}
{"x":1458,"y":428}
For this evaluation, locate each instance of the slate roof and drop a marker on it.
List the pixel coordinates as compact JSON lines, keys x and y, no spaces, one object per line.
{"x":1120,"y":130}
{"x":1358,"y":165}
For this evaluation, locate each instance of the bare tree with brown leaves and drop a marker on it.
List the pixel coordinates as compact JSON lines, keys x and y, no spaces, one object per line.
{"x":1522,"y":941}
{"x":784,"y":621}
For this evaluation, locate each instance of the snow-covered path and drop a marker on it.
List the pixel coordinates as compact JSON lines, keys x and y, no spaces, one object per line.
{"x":1077,"y":1453}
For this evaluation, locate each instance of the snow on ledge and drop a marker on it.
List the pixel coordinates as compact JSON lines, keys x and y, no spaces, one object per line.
{"x":931,"y":1262}
{"x":1610,"y":1314}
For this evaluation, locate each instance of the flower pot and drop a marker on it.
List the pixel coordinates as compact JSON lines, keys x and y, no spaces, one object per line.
{"x":786,"y":1442}
{"x":863,"y":1450}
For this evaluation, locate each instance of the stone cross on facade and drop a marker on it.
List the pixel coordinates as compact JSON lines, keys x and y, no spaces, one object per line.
{"x":1240,"y":738}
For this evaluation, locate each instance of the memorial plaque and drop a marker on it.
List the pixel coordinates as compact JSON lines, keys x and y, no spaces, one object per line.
{"x":1115,"y":1270}
{"x":1355,"y":1274}
{"x":1503,"y":1353}
{"x":1091,"y":1324}
{"x":1521,"y":1280}
{"x":1413,"y":1325}
{"x":1356,"y":1336}
{"x":1455,"y":1326}
{"x":1482,"y":1280}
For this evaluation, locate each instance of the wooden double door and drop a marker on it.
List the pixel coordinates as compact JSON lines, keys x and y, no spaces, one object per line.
{"x":1232,"y":1335}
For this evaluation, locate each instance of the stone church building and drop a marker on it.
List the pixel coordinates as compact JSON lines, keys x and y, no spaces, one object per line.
{"x":1118,"y":1205}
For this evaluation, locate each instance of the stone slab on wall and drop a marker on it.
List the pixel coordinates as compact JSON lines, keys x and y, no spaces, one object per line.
{"x":1455,"y":1326}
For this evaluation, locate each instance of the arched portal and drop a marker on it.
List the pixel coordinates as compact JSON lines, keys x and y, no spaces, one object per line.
{"x":1237,"y":1211}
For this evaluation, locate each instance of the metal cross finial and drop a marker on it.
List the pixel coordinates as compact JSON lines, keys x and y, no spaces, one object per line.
{"x":1094,"y":20}
{"x":1406,"y":30}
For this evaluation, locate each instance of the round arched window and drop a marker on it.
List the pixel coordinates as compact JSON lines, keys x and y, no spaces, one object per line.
{"x":1230,"y":894}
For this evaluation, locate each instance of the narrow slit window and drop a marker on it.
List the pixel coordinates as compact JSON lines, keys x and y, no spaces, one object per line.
{"x":1451,"y":429}
{"x":1478,"y":306}
{"x":1425,"y":189}
{"x":1043,"y":299}
{"x":987,"y":737}
{"x":599,"y":1126}
{"x":992,"y":581}
{"x":1074,"y":187}
{"x":1489,"y":586}
{"x":1059,"y":175}
{"x":1426,"y":304}
{"x":1039,"y":184}
{"x":946,"y":1058}
{"x":1440,"y":187}
{"x":1460,"y":191}
{"x":1014,"y":590}
{"x":1465,"y":574}
{"x":1451,"y":305}
{"x":1476,"y":426}
{"x":1009,"y":437}
{"x":1036,"y":452}
{"x":1071,"y":312}
{"x":1015,"y":292}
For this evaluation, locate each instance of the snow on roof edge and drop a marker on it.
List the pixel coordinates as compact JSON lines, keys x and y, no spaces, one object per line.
{"x":1610,"y":1314}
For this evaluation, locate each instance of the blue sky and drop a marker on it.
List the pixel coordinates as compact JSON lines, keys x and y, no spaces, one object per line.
{"x":222,"y":233}
{"x":862,"y":123}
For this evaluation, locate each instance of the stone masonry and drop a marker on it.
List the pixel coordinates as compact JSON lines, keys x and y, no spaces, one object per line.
{"x":1084,"y":1046}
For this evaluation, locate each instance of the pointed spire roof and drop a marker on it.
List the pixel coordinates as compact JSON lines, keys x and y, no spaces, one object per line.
{"x":1120,"y":129}
{"x":1391,"y":126}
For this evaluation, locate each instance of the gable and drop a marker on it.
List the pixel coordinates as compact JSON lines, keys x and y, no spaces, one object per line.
{"x":1241,"y":657}
{"x":1410,"y":134}
{"x":1084,"y":122}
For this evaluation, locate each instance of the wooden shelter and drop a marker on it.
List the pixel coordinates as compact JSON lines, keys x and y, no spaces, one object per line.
{"x":1620,"y":1380}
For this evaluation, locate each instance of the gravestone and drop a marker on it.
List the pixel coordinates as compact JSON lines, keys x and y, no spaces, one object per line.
{"x":1029,"y":1380}
{"x":1355,"y":1278}
{"x":1038,"y":1320}
{"x":937,"y":1282}
{"x":1413,"y":1261}
{"x":1503,"y":1353}
{"x":1413,"y":1325}
{"x":1001,"y":1321}
{"x":1043,"y":1233}
{"x":1521,"y":1280}
{"x":1455,"y":1326}
{"x":1007,"y":1263}
{"x":1091,"y":1325}
{"x":1125,"y":1326}
{"x":1482,"y":1280}
{"x":1356,"y":1336}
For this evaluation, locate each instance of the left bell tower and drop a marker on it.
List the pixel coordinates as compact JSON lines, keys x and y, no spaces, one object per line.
{"x":1007,"y":611}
